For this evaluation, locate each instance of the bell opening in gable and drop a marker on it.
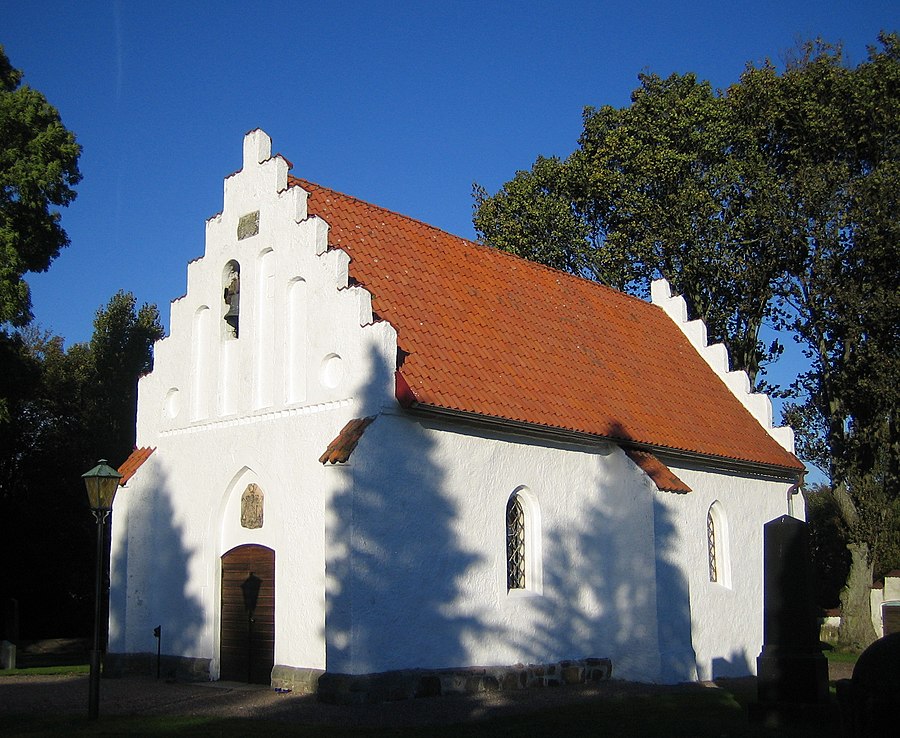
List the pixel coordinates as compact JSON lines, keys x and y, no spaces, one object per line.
{"x":232,"y":299}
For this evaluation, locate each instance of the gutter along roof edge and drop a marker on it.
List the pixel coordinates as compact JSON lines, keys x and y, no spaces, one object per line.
{"x":724,"y":463}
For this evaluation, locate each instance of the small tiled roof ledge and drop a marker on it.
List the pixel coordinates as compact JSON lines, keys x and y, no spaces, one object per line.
{"x":716,"y":355}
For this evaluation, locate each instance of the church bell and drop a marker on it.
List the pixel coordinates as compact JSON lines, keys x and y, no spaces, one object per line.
{"x":234,"y":310}
{"x":232,"y":315}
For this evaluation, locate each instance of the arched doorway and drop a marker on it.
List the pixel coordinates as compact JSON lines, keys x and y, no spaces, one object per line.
{"x":247,"y":643}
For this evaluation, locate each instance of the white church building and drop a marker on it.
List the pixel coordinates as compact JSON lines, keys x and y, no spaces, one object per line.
{"x":368,"y":445}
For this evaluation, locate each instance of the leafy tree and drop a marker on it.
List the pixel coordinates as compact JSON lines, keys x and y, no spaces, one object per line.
{"x":831,"y":133}
{"x":38,"y":168}
{"x":533,"y":216}
{"x":68,"y":408}
{"x":671,"y":186}
{"x":777,"y":199}
{"x":828,"y":545}
{"x":119,"y":353}
{"x":46,"y":542}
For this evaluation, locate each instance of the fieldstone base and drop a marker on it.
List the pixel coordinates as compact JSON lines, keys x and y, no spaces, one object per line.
{"x":295,"y":679}
{"x":391,"y":686}
{"x":177,"y":668}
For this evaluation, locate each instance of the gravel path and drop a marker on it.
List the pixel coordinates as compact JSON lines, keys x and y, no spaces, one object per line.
{"x":24,"y":695}
{"x":30,"y":695}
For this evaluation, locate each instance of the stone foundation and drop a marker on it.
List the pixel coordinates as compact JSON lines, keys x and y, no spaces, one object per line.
{"x":178,"y":668}
{"x":350,"y":689}
{"x":390,"y":686}
{"x":295,"y":679}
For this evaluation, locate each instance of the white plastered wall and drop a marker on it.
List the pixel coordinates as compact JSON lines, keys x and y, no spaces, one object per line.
{"x":220,"y":416}
{"x":725,"y":616}
{"x":413,"y":526}
{"x":417,"y":553}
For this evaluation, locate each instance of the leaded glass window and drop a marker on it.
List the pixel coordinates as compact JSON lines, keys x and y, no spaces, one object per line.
{"x":515,"y":544}
{"x":711,"y":546}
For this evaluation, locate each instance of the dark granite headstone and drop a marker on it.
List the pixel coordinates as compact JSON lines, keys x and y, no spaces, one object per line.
{"x":869,"y":700}
{"x":791,"y":667}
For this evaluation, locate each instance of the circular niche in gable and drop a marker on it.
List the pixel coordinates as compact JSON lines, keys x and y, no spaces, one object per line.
{"x":331,"y":372}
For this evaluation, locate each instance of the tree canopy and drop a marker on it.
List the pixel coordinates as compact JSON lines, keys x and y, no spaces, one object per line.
{"x":68,"y":408}
{"x":38,"y":170}
{"x":776,"y":200}
{"x":832,"y":135}
{"x":668,"y":186}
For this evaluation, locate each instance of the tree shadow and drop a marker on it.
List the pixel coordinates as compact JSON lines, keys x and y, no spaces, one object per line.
{"x":150,"y":580}
{"x":611,"y":585}
{"x":397,"y":561}
{"x":406,"y":558}
{"x":678,"y":660}
{"x":737,"y":664}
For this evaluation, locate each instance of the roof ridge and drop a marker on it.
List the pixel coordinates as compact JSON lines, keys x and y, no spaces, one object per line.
{"x":299,"y":181}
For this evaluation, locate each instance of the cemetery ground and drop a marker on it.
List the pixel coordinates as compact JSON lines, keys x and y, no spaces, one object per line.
{"x":53,"y":700}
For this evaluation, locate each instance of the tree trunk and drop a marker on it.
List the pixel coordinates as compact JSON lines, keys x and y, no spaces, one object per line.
{"x":856,"y":631}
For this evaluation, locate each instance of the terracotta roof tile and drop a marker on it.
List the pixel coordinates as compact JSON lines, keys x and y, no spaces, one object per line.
{"x":133,"y":463}
{"x":489,"y":333}
{"x":342,"y":446}
{"x":663,"y":477}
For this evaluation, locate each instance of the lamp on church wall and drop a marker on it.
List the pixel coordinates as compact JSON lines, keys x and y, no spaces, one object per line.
{"x":101,"y":482}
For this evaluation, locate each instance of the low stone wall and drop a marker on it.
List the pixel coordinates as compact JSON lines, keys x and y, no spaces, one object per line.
{"x":345,"y":689}
{"x":179,"y":668}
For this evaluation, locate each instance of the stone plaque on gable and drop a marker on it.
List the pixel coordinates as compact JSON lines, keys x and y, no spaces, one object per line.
{"x":248,"y":225}
{"x":252,"y":507}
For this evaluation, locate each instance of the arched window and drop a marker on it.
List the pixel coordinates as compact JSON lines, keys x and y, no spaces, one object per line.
{"x":515,"y":543}
{"x":717,"y":545}
{"x":711,"y":547}
{"x":523,"y":543}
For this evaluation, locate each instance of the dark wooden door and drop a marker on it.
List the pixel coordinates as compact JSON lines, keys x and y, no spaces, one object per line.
{"x":247,"y":647}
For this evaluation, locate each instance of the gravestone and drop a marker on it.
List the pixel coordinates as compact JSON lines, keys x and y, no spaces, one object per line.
{"x":869,"y":702}
{"x":9,"y":635}
{"x":791,"y":667}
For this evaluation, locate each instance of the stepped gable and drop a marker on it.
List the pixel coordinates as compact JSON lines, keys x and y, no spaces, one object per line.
{"x":484,"y":332}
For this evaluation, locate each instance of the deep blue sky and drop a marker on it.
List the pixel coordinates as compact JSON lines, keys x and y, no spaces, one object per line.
{"x":402,"y":104}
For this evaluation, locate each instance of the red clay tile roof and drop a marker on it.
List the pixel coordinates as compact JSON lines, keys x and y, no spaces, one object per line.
{"x":489,"y":333}
{"x":133,"y":463}
{"x":663,"y":477}
{"x":342,"y":446}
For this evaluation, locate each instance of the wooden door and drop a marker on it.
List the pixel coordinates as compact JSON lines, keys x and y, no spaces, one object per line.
{"x":247,"y":645}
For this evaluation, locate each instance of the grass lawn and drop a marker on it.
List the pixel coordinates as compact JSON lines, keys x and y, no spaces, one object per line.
{"x":47,"y":670}
{"x":842,"y":657}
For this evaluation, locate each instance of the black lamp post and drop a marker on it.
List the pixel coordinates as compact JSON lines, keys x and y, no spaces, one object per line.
{"x":102,"y":482}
